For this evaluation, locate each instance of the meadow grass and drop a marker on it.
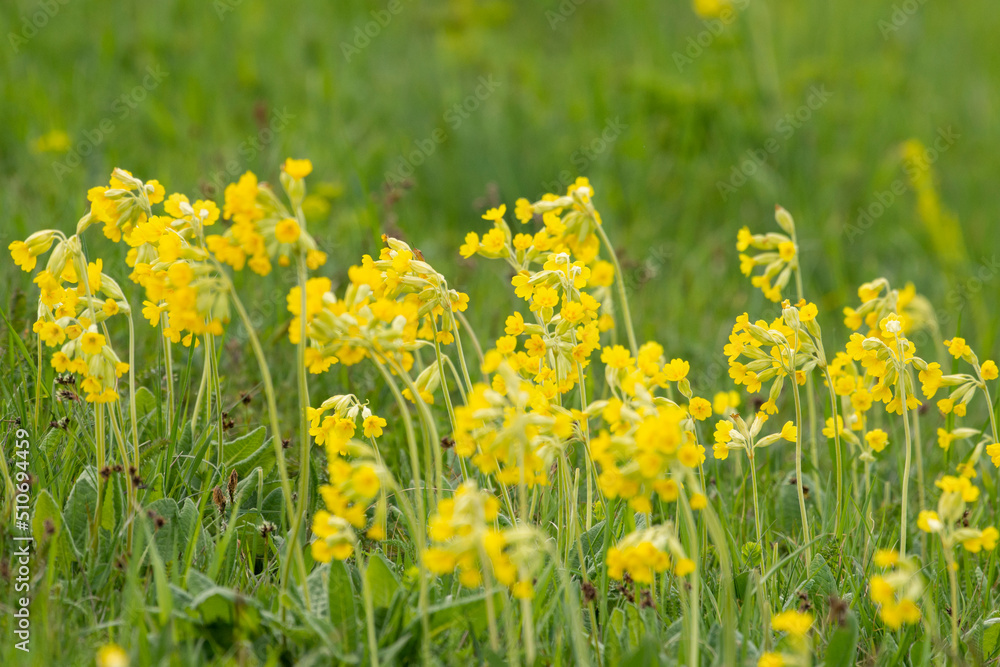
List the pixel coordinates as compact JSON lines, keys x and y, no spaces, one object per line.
{"x":177,"y":572}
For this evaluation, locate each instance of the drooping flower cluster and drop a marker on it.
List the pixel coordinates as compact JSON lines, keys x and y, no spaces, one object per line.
{"x":393,"y":306}
{"x":642,"y":554}
{"x":564,"y":295}
{"x":465,"y":539}
{"x":335,"y":422}
{"x":896,"y":589}
{"x":779,"y":255}
{"x":263,"y":227}
{"x":512,"y":431}
{"x":357,"y":479}
{"x":957,"y":493}
{"x":75,"y":300}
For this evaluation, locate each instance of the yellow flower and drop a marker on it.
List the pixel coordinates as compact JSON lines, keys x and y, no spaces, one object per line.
{"x":989,"y":370}
{"x":22,"y":255}
{"x":51,"y":334}
{"x":789,"y":431}
{"x":771,"y":659}
{"x":929,"y":521}
{"x":993,"y":451}
{"x":676,"y":370}
{"x":699,"y":501}
{"x":743,"y":239}
{"x":685,"y":566}
{"x":373,"y":425}
{"x":287,"y":231}
{"x":793,"y":622}
{"x":877,"y":439}
{"x":112,"y":655}
{"x":786,"y":250}
{"x":886,"y":557}
{"x":700,"y":408}
{"x":616,"y":356}
{"x":92,"y":342}
{"x":297,"y":168}
{"x":471,"y":245}
{"x":364,"y":479}
{"x":957,"y":347}
{"x":495,"y":213}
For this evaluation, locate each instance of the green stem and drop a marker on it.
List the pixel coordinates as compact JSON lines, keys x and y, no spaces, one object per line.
{"x":810,"y":388}
{"x":169,"y":372}
{"x":304,"y":443}
{"x":366,"y":596}
{"x":953,"y":584}
{"x":695,"y":602}
{"x":906,"y":460}
{"x":798,"y":453}
{"x":837,"y":453}
{"x":217,"y":390}
{"x":279,"y":453}
{"x":620,"y":285}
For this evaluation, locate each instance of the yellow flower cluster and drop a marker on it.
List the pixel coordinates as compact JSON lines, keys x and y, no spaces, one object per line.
{"x":946,"y":521}
{"x":513,"y":434}
{"x":643,"y":554}
{"x":75,"y":296}
{"x":352,"y":488}
{"x":337,"y":429}
{"x":392,"y":306}
{"x":896,"y":589}
{"x":779,"y":257}
{"x":465,"y":539}
{"x":263,"y":227}
{"x":791,"y":344}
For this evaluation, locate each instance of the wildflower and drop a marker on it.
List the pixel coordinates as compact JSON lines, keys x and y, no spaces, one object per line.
{"x":929,"y":522}
{"x":700,"y":408}
{"x":795,"y":623}
{"x":287,"y":231}
{"x":373,"y":425}
{"x":297,"y":169}
{"x":92,"y":342}
{"x":495,"y":214}
{"x":886,"y":557}
{"x":877,"y":439}
{"x":112,"y":655}
{"x":771,"y":659}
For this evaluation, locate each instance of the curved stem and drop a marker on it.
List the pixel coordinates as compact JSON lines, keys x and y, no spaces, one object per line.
{"x":304,"y":444}
{"x":906,"y":460}
{"x":168,"y":362}
{"x":620,"y":284}
{"x":695,"y":615}
{"x":434,"y":441}
{"x":837,"y":453}
{"x":279,"y":453}
{"x":798,"y":453}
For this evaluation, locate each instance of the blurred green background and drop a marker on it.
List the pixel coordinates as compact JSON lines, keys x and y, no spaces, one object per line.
{"x":655,"y":104}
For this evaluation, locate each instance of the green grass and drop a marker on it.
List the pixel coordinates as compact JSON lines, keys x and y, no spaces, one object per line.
{"x":609,"y":67}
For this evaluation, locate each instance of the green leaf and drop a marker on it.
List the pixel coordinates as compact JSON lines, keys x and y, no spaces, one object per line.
{"x":243,"y":446}
{"x":381,"y":580}
{"x":165,"y":536}
{"x":108,"y":509}
{"x":991,"y":637}
{"x":226,"y":606}
{"x":262,"y":457}
{"x":80,"y":507}
{"x":842,"y":649}
{"x":821,"y":581}
{"x":46,"y":509}
{"x":145,"y":402}
{"x":340,"y":599}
